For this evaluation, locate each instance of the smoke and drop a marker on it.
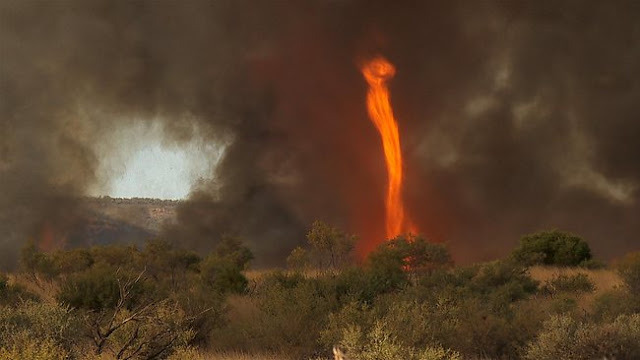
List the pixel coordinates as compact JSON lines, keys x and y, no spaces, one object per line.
{"x":514,"y":117}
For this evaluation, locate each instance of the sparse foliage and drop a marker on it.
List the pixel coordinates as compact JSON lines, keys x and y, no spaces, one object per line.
{"x":629,"y":270}
{"x":329,"y":247}
{"x":566,"y":338}
{"x":575,"y":284}
{"x":394,"y":260}
{"x":298,"y":259}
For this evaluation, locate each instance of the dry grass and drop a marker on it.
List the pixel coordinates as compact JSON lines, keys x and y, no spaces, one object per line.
{"x":241,"y":307}
{"x":46,"y":290}
{"x":244,"y":356}
{"x":603,"y":279}
{"x":257,"y":274}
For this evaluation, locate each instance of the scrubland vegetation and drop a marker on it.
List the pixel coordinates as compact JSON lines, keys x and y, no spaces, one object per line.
{"x":548,"y":300}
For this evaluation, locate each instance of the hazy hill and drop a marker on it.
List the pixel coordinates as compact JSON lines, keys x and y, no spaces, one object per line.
{"x":115,"y":220}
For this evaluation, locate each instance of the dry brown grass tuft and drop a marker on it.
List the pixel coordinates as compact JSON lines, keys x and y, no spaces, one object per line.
{"x":46,"y":290}
{"x":257,"y":274}
{"x":244,"y":356}
{"x":603,"y":279}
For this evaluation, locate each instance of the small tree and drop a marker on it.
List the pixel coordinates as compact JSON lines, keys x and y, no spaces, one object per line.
{"x":35,"y":262}
{"x":329,"y":247}
{"x":163,"y":261}
{"x":222,"y":269}
{"x":232,"y":249}
{"x":298,"y":259}
{"x":552,"y":248}
{"x":412,"y":253}
{"x":222,"y":275}
{"x":406,"y":255}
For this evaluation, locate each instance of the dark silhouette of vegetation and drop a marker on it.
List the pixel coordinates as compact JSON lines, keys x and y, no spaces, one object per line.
{"x":327,"y":248}
{"x":553,"y":248}
{"x":405,"y":301}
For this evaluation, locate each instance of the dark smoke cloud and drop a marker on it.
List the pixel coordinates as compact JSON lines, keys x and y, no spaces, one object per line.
{"x":514,"y":116}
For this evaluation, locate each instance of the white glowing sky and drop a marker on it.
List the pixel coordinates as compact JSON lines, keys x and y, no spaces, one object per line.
{"x":156,"y":172}
{"x":140,"y":162}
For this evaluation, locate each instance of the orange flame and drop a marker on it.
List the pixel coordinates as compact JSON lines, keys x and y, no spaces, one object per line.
{"x":377,"y":72}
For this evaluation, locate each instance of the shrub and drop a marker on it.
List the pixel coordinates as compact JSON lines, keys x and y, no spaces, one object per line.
{"x":629,"y":270}
{"x":593,"y":264}
{"x":24,"y":345}
{"x":552,"y":248}
{"x":565,"y":338}
{"x":222,"y":275}
{"x":329,"y":247}
{"x":97,"y":288}
{"x":150,"y":331}
{"x":393,"y":262}
{"x":117,"y":257}
{"x":38,"y":330}
{"x":380,"y":343}
{"x":504,"y":281}
{"x":11,"y":294}
{"x":285,"y":314}
{"x":611,"y":304}
{"x":563,"y":304}
{"x":35,"y":262}
{"x":232,"y":250}
{"x":473,"y":310}
{"x":70,"y":261}
{"x":575,"y":284}
{"x":221,"y":271}
{"x":413,"y":254}
{"x":166,"y":264}
{"x":298,"y":260}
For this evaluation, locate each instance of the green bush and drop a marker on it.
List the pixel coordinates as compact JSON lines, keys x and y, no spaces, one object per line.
{"x":167,"y":264}
{"x":221,"y":271}
{"x":117,"y":257}
{"x":284,"y":314}
{"x":394,"y":262}
{"x":231,"y":249}
{"x":24,"y":345}
{"x":503,"y":281}
{"x":380,"y":343}
{"x":222,"y":275}
{"x":34,"y":262}
{"x":98,"y":288}
{"x":71,"y":261}
{"x":327,"y":248}
{"x":566,"y":338}
{"x":552,"y":248}
{"x":38,"y":331}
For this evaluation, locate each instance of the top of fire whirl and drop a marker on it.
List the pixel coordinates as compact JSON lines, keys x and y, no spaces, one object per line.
{"x":378,"y":70}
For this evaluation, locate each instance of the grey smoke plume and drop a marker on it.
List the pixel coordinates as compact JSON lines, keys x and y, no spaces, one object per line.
{"x":514,"y":116}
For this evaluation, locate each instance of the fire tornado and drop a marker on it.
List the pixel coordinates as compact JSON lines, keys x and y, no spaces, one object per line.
{"x":377,"y":72}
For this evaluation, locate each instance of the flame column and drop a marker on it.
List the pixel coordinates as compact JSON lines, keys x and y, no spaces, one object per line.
{"x":377,"y":72}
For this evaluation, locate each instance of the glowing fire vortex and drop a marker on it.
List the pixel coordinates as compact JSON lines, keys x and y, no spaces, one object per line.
{"x":377,"y":72}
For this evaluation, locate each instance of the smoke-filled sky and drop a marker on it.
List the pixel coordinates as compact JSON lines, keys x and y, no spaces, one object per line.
{"x":514,"y":116}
